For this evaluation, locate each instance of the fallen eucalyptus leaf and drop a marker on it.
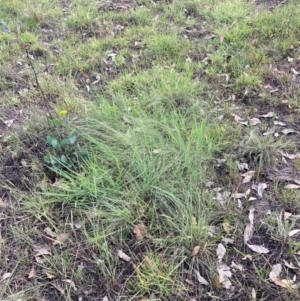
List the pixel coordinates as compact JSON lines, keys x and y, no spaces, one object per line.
{"x":290,"y":265}
{"x":294,"y":71}
{"x":221,"y":251}
{"x":41,"y":250}
{"x":292,"y":186}
{"x":226,"y":226}
{"x":269,"y":114}
{"x":224,"y":275}
{"x":9,"y":122}
{"x":50,"y":275}
{"x":288,"y":131}
{"x":254,"y":121}
{"x":248,"y":233}
{"x":279,"y":123}
{"x":293,"y":232}
{"x":235,"y":266}
{"x":200,"y":278}
{"x":71,"y":282}
{"x":123,"y":256}
{"x":61,"y":239}
{"x":251,"y":214}
{"x":49,"y":232}
{"x":275,"y":272}
{"x":228,"y":241}
{"x":32,"y":273}
{"x":258,"y":249}
{"x":290,"y":156}
{"x":5,"y":276}
{"x":195,"y":251}
{"x":287,"y":215}
{"x":139,"y":230}
{"x":260,"y":189}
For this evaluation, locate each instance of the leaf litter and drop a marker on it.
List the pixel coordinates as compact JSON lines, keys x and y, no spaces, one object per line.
{"x":224,"y":275}
{"x":221,"y":251}
{"x":200,"y":279}
{"x":124,"y":256}
{"x":274,"y":277}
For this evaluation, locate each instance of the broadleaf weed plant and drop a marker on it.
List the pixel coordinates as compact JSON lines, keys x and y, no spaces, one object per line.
{"x":64,"y":151}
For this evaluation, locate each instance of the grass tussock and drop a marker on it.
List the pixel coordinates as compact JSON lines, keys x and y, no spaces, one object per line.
{"x":164,"y":124}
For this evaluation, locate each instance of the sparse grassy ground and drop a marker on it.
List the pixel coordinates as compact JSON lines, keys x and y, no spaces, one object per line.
{"x":172,"y":102}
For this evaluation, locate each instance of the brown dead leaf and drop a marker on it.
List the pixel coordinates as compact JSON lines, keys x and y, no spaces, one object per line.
{"x":254,"y":121}
{"x":284,"y":283}
{"x":61,"y":239}
{"x":59,"y":288}
{"x":41,"y":250}
{"x":139,"y":230}
{"x":150,"y":263}
{"x":32,"y":273}
{"x":248,"y":176}
{"x":216,"y":283}
{"x":226,"y":227}
{"x":195,"y":251}
{"x":49,"y":275}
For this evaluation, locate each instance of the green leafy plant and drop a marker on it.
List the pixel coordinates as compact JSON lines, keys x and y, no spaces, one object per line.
{"x":64,"y":151}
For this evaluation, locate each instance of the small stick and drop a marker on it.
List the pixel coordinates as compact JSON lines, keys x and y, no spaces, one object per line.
{"x":45,"y":100}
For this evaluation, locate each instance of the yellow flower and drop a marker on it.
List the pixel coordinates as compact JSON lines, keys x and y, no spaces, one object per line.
{"x":63,"y":113}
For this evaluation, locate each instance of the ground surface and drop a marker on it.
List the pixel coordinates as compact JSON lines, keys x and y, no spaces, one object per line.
{"x":150,"y":150}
